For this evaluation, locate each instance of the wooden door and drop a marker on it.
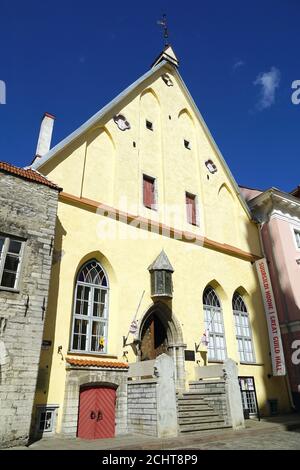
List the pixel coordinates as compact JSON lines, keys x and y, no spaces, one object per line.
{"x":96,"y":413}
{"x":154,"y":338}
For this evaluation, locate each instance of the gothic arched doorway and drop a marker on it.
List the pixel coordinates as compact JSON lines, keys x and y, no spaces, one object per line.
{"x":159,"y":333}
{"x":154,"y":339}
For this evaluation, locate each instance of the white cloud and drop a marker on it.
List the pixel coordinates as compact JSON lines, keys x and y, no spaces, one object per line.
{"x":238,"y":64}
{"x":268,"y":81}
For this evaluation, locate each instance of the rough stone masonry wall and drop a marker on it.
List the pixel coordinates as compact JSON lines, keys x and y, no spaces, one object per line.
{"x":77,"y":377}
{"x":27,"y":210}
{"x":141,"y":407}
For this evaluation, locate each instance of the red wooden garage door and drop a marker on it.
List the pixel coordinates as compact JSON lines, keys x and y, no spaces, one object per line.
{"x":96,"y":413}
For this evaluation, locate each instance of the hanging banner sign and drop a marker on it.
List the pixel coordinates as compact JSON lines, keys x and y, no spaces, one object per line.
{"x":277,"y":355}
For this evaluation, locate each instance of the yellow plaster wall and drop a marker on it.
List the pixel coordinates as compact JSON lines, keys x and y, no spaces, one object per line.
{"x":105,"y":166}
{"x":126,"y":262}
{"x":161,"y":154}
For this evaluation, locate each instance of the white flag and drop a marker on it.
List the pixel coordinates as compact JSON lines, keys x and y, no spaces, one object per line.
{"x":133,"y":327}
{"x":205,"y":338}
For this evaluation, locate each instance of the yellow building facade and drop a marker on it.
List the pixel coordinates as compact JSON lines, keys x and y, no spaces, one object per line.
{"x":150,"y":142}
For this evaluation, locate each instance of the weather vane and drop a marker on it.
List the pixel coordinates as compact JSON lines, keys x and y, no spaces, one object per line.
{"x":163,"y":23}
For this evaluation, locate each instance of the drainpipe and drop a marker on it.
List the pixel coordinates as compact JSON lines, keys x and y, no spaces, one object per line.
{"x":260,"y":225}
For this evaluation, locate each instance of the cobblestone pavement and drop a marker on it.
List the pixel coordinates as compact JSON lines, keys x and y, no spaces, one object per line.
{"x":282,"y":433}
{"x":282,"y":440}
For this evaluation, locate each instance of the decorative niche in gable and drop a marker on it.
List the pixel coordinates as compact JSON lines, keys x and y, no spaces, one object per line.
{"x":121,"y":122}
{"x":211,"y":166}
{"x":167,"y":79}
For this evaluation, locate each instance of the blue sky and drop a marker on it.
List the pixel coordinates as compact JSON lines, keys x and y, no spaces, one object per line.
{"x":238,"y":59}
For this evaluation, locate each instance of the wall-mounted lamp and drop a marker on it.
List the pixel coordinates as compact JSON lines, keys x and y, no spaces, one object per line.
{"x":59,"y":351}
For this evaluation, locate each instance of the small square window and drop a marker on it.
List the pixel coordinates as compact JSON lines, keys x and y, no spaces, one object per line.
{"x":191,"y":211}
{"x":187,"y":144}
{"x":46,"y":419}
{"x":149,"y":193}
{"x":149,"y":125}
{"x":11,"y":252}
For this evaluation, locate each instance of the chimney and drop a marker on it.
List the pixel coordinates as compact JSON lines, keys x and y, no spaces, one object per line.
{"x":44,"y":142}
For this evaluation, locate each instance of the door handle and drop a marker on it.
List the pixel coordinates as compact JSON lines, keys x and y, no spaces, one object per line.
{"x":93,"y":415}
{"x":99,"y":416}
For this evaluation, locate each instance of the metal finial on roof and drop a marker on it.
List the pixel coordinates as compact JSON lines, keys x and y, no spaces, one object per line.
{"x":163,"y":23}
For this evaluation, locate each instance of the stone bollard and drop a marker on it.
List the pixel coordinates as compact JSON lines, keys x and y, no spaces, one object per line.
{"x":233,"y":394}
{"x":166,"y":396}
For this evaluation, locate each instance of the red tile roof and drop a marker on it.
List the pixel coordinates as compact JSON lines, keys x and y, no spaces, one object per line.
{"x":28,"y":174}
{"x":97,"y":363}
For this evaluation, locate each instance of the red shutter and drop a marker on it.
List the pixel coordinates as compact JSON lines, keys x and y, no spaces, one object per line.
{"x":191,"y":208}
{"x":148,"y":190}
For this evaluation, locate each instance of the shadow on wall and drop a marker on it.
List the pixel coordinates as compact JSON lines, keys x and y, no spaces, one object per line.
{"x":277,"y":387}
{"x":46,"y":357}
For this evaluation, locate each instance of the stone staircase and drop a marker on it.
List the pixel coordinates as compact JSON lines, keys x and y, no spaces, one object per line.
{"x":202,"y":408}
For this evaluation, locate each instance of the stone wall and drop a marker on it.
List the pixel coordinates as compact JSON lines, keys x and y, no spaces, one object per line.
{"x":76,"y":378}
{"x":151,"y":403}
{"x":27,"y":210}
{"x":142,"y":407}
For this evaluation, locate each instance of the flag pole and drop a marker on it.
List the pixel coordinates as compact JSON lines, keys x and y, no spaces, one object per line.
{"x":126,"y":338}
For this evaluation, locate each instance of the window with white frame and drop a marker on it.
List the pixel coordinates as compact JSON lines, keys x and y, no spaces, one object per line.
{"x":90,"y":317}
{"x":46,"y":419}
{"x":243,"y":329}
{"x":213,"y":319}
{"x":11,"y":251}
{"x":297,"y":237}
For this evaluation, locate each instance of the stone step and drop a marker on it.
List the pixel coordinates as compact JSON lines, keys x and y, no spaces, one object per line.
{"x":204,"y":427}
{"x":200,"y":393}
{"x":191,"y":401}
{"x":214,"y":417}
{"x":196,"y":413}
{"x":204,"y":389}
{"x":216,"y":424}
{"x":197,"y":383}
{"x":189,"y":407}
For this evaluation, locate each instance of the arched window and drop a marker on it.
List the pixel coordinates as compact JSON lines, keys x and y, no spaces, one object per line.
{"x":213,"y":319}
{"x":90,"y":315}
{"x":242,"y":328}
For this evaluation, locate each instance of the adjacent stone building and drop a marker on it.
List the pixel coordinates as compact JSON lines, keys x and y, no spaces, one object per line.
{"x":28,"y":205}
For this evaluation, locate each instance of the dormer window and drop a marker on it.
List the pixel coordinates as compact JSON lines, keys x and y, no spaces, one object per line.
{"x":149,"y":125}
{"x":187,"y":144}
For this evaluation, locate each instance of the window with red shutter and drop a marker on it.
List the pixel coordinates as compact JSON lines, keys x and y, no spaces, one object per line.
{"x":191,"y":208}
{"x":149,"y":192}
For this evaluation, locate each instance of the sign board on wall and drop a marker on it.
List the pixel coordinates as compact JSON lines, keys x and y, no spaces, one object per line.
{"x":277,"y":355}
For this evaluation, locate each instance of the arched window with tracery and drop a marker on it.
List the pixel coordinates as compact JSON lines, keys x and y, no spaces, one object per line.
{"x":242,"y":328}
{"x":90,"y":316}
{"x":214,"y":325}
